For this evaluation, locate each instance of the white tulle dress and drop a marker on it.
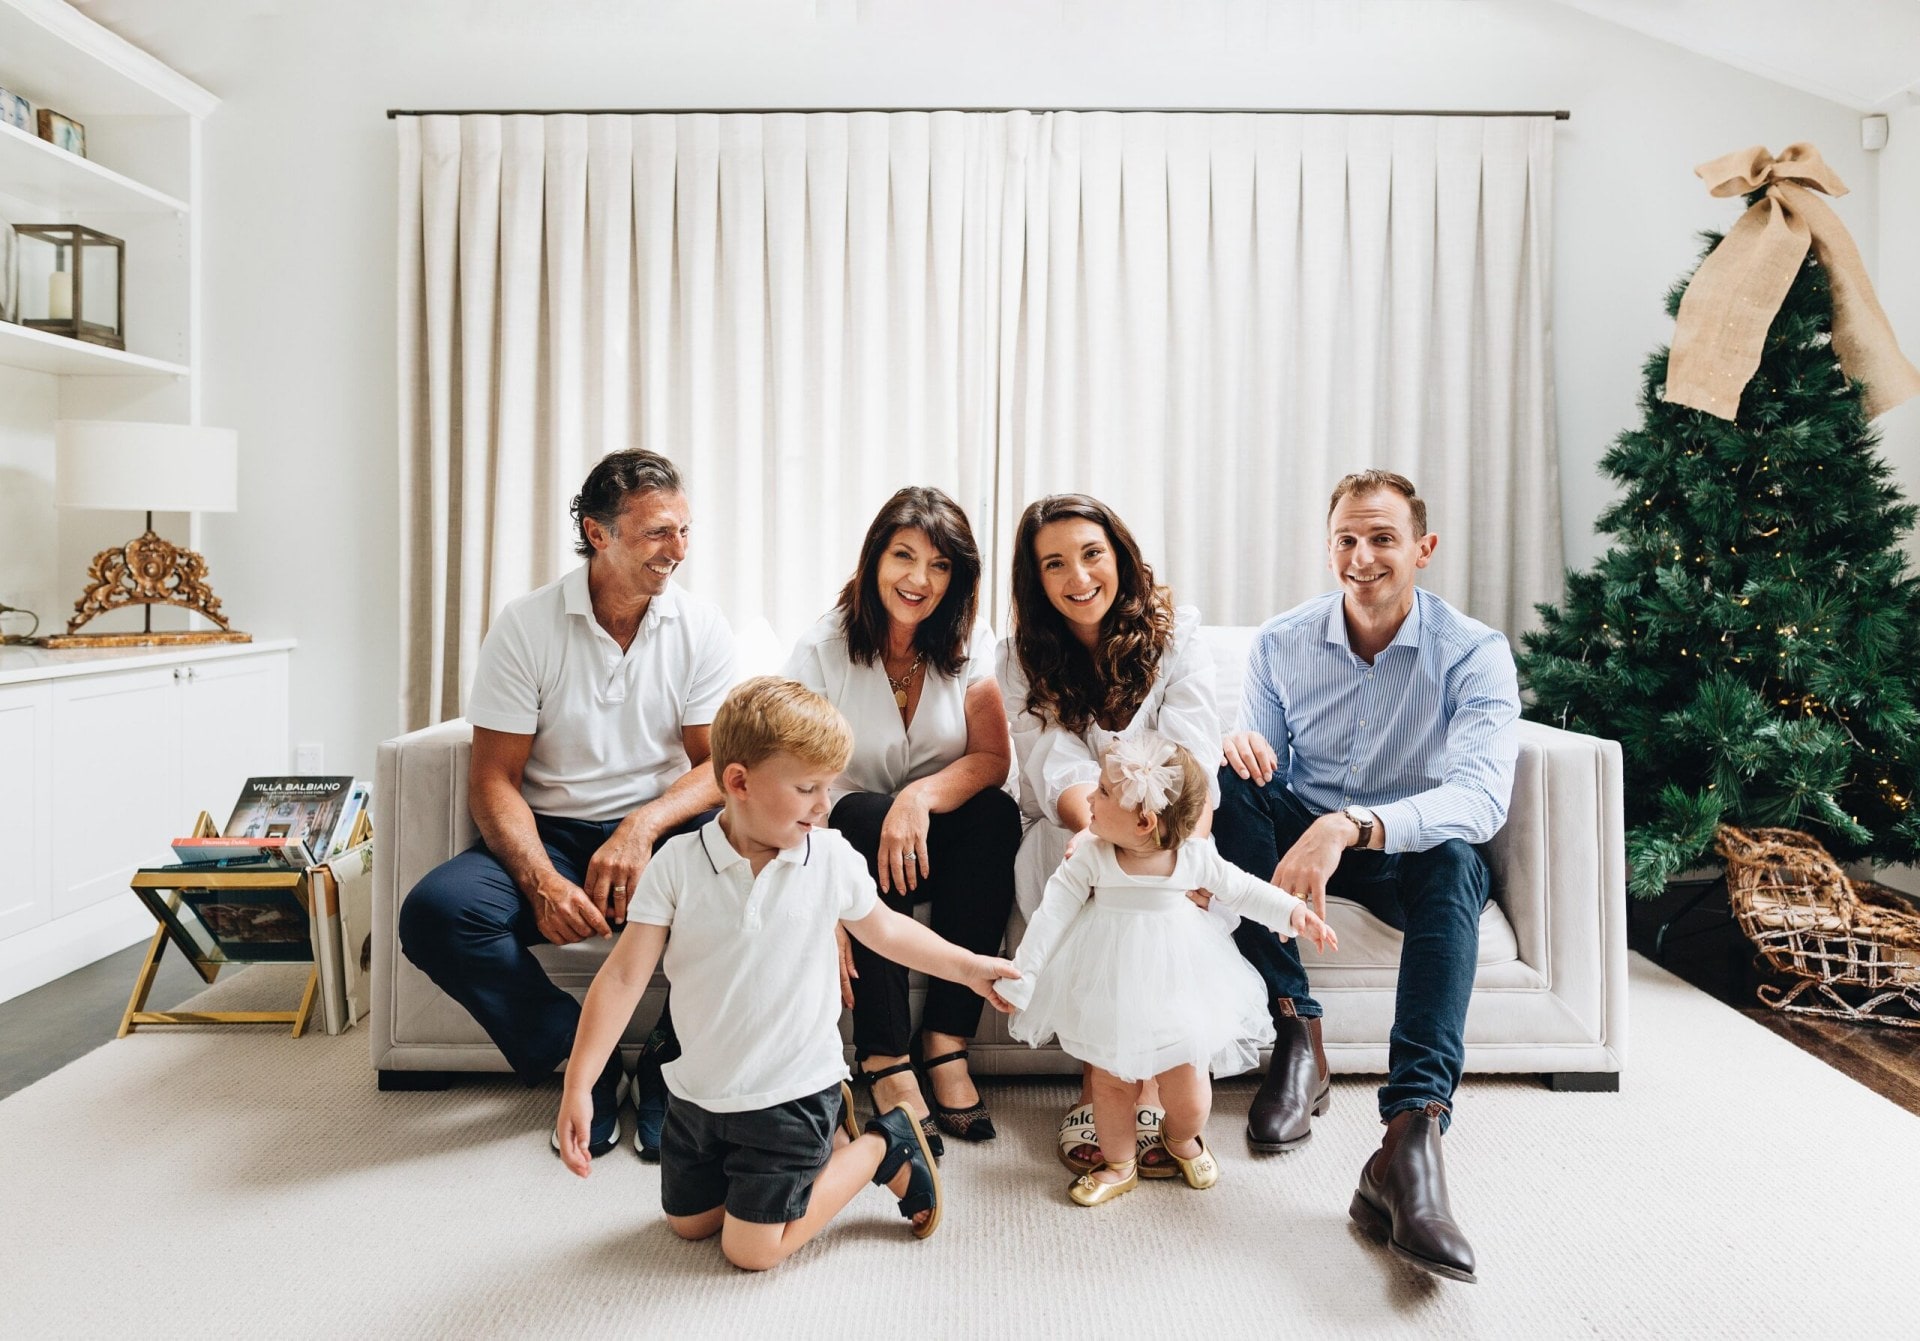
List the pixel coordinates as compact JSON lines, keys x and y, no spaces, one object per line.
{"x":1135,"y":978}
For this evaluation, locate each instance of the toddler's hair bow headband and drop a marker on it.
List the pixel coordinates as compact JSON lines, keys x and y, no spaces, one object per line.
{"x":1143,"y":768}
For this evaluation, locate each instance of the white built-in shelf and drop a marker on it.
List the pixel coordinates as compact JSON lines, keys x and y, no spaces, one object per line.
{"x":49,"y":185}
{"x":37,"y":351}
{"x":60,"y":58}
{"x":28,"y":665}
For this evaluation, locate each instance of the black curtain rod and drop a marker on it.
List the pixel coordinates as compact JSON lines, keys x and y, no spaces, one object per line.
{"x":392,"y":112}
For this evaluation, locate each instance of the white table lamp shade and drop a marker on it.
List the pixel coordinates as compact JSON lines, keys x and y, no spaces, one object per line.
{"x":138,"y":467}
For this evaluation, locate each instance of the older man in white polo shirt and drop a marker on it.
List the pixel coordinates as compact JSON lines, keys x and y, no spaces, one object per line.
{"x":590,"y":711}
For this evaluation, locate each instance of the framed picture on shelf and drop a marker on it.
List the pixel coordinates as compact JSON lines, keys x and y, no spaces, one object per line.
{"x":63,"y":132}
{"x":16,"y":111}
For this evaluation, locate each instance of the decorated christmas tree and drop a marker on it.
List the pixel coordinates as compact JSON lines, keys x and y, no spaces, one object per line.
{"x":1752,"y":637}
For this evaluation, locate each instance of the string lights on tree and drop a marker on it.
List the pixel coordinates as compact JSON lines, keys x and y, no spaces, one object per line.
{"x":1772,"y":627}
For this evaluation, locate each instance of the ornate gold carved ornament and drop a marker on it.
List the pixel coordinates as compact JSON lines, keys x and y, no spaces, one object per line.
{"x":146,"y":571}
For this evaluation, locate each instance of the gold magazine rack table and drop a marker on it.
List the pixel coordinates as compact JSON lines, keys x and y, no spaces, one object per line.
{"x":217,"y":915}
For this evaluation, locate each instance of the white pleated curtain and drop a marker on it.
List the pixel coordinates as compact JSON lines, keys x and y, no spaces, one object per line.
{"x":1203,"y":318}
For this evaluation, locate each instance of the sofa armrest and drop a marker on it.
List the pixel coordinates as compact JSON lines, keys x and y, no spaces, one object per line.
{"x":1559,"y":869}
{"x":429,"y":769}
{"x":420,"y":819}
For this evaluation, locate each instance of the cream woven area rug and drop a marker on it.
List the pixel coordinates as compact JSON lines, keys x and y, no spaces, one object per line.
{"x":239,"y":1182}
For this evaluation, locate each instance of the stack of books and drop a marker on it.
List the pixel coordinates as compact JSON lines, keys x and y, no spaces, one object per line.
{"x":282,"y":824}
{"x":293,"y":824}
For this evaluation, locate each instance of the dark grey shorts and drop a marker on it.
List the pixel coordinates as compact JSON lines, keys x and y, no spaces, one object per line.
{"x":760,"y":1164}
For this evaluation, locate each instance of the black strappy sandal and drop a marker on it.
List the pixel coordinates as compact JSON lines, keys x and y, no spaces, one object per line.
{"x":907,"y":1144}
{"x":934,"y":1143}
{"x":972,"y":1123}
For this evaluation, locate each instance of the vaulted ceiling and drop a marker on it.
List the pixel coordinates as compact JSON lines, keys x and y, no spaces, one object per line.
{"x":1863,"y":54}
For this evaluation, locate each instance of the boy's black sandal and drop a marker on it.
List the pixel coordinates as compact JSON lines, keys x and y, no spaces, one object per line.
{"x":934,"y":1143}
{"x":972,"y":1123}
{"x":907,"y":1144}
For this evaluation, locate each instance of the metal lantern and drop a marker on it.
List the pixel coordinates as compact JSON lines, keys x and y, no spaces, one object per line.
{"x":73,"y":283}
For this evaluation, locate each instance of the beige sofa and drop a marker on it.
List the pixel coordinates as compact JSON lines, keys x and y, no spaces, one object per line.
{"x":1549,"y":996}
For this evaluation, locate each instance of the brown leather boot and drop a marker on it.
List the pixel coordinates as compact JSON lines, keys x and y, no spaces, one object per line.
{"x":1402,"y":1198}
{"x":1297,"y":1087}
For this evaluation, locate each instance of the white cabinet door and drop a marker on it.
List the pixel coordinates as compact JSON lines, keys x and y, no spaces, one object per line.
{"x":26,"y":785}
{"x":116,"y":781}
{"x":233,"y":726}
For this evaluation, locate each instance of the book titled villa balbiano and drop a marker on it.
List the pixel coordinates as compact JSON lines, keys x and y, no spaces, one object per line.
{"x":284,"y":822}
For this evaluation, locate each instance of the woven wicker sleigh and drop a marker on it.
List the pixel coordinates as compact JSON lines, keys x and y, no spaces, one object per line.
{"x":1854,"y":947}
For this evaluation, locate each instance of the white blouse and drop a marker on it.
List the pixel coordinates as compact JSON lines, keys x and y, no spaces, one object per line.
{"x":886,"y":754}
{"x":1050,"y":759}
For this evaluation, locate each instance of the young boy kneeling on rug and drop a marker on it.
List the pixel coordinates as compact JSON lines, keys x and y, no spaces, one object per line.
{"x":760,"y":1145}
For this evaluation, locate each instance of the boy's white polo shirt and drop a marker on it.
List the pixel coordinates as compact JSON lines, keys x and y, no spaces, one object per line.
{"x":605,"y":723}
{"x":753,"y":964}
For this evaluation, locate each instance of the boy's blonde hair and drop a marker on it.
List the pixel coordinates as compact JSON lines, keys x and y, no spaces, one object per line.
{"x":766,"y":716}
{"x":1186,"y":798}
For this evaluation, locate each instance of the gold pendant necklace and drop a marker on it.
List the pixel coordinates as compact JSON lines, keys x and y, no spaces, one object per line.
{"x":901,"y":685}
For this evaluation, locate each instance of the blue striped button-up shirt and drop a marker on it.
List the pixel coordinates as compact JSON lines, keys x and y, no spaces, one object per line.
{"x":1425,"y":737}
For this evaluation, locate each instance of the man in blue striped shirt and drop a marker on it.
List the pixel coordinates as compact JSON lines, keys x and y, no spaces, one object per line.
{"x":1375,"y":748}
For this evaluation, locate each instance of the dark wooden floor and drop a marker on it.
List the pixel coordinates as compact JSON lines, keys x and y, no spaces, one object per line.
{"x":1705,"y":947}
{"x":42,"y":1030}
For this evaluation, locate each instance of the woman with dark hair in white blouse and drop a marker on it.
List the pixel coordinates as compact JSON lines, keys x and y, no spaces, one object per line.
{"x":904,"y":658}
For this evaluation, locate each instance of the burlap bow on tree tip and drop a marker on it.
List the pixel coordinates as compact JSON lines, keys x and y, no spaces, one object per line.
{"x":1737,"y":291}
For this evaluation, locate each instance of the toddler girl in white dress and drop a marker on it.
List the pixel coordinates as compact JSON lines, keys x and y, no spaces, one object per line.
{"x":1136,"y":979}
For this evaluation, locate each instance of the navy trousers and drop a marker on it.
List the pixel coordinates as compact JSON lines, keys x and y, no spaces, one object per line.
{"x":1434,"y":898}
{"x":468,"y":927}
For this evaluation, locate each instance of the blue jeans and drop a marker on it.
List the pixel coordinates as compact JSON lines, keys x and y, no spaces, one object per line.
{"x":1434,"y":898}
{"x":468,"y":927}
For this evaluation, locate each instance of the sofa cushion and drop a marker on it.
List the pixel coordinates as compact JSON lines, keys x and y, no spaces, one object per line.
{"x":1549,"y":983}
{"x":1229,"y":644}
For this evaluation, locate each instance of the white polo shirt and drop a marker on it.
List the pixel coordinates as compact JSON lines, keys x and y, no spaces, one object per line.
{"x":887,"y":755}
{"x":605,"y":724}
{"x":753,"y":964}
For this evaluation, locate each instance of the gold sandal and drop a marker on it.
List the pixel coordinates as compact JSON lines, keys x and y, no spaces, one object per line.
{"x":848,"y":1122}
{"x":1088,"y":1190}
{"x":1202,"y":1171}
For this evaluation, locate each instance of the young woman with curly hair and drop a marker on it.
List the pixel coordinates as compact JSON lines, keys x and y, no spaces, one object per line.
{"x":1098,"y":651}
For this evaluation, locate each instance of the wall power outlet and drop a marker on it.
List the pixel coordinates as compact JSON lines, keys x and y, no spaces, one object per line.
{"x":309,"y":758}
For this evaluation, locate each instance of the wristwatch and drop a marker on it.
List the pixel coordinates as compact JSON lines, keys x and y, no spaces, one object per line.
{"x":1363,"y":818}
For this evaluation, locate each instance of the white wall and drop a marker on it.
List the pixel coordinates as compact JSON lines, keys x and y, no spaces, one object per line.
{"x":300,"y":203}
{"x":28,"y":572}
{"x":1897,"y":280}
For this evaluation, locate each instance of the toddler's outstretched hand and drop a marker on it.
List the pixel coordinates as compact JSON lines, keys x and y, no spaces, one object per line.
{"x":1307,"y":923}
